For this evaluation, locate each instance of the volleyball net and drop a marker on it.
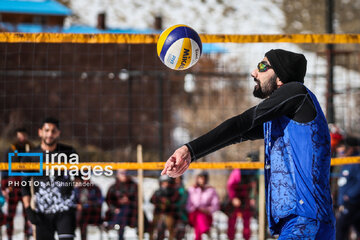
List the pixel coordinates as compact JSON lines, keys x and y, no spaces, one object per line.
{"x":111,"y":93}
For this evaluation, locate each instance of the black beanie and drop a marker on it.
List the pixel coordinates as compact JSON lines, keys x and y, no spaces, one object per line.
{"x":352,"y":141}
{"x":288,"y":66}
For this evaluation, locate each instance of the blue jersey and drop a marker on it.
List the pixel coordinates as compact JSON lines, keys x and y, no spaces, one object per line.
{"x":297,"y":169}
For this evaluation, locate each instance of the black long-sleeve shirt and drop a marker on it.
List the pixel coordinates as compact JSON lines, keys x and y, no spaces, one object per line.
{"x":53,"y":193}
{"x":291,"y":100}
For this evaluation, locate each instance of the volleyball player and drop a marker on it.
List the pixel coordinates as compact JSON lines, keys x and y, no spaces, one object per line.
{"x":297,"y":148}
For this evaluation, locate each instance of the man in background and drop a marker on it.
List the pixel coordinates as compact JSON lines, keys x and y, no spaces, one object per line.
{"x":55,"y":208}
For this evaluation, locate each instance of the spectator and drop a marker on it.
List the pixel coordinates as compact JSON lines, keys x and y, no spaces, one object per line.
{"x":89,"y":200}
{"x":181,"y":214}
{"x":202,"y":202}
{"x":242,"y":201}
{"x":164,"y":200}
{"x":336,"y":136}
{"x":11,"y":191}
{"x":2,"y":216}
{"x":349,"y":191}
{"x":121,"y":199}
{"x":55,"y":208}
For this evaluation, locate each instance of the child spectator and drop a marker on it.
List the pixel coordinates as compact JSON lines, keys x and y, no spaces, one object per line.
{"x":202,"y":202}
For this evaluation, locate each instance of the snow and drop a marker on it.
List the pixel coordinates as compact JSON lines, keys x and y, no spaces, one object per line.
{"x":212,"y":16}
{"x":215,"y":17}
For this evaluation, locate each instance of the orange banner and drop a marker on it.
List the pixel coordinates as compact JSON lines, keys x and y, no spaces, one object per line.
{"x":153,"y":38}
{"x":160,"y":165}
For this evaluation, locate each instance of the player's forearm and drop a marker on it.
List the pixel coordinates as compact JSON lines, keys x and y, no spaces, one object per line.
{"x":26,"y":201}
{"x":227,"y":133}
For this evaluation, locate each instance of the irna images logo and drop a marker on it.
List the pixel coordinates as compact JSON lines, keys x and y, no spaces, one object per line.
{"x":28,"y":173}
{"x":59,"y":164}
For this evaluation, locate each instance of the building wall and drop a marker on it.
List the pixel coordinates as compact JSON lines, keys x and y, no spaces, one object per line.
{"x":30,"y":18}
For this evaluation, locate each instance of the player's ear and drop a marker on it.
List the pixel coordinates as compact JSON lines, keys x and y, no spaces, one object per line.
{"x":39,"y":132}
{"x":279,"y":83}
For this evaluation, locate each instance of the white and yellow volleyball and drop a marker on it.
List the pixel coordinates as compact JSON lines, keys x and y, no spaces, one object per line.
{"x":179,"y":47}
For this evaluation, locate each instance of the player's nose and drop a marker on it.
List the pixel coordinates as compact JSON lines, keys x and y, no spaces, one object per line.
{"x":254,"y":73}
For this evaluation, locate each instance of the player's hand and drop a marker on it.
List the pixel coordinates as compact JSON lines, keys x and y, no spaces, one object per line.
{"x":178,"y":163}
{"x":32,"y":216}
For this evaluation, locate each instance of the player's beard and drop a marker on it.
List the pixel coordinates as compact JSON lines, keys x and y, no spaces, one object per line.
{"x":51,"y":142}
{"x":267,"y":89}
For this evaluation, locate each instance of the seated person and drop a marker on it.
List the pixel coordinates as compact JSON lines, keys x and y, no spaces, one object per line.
{"x":202,"y":202}
{"x":164,"y":200}
{"x":89,"y":200}
{"x":122,"y":201}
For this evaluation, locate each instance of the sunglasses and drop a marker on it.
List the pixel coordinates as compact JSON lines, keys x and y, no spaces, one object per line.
{"x":263,"y":66}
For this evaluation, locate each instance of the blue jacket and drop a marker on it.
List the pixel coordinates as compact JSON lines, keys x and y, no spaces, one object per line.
{"x":349,"y":184}
{"x":297,"y":169}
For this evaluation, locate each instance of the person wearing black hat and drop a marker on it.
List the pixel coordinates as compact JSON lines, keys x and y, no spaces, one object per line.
{"x":297,"y":148}
{"x":164,"y":200}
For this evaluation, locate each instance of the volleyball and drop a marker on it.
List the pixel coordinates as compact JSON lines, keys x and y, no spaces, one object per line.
{"x":179,"y":47}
